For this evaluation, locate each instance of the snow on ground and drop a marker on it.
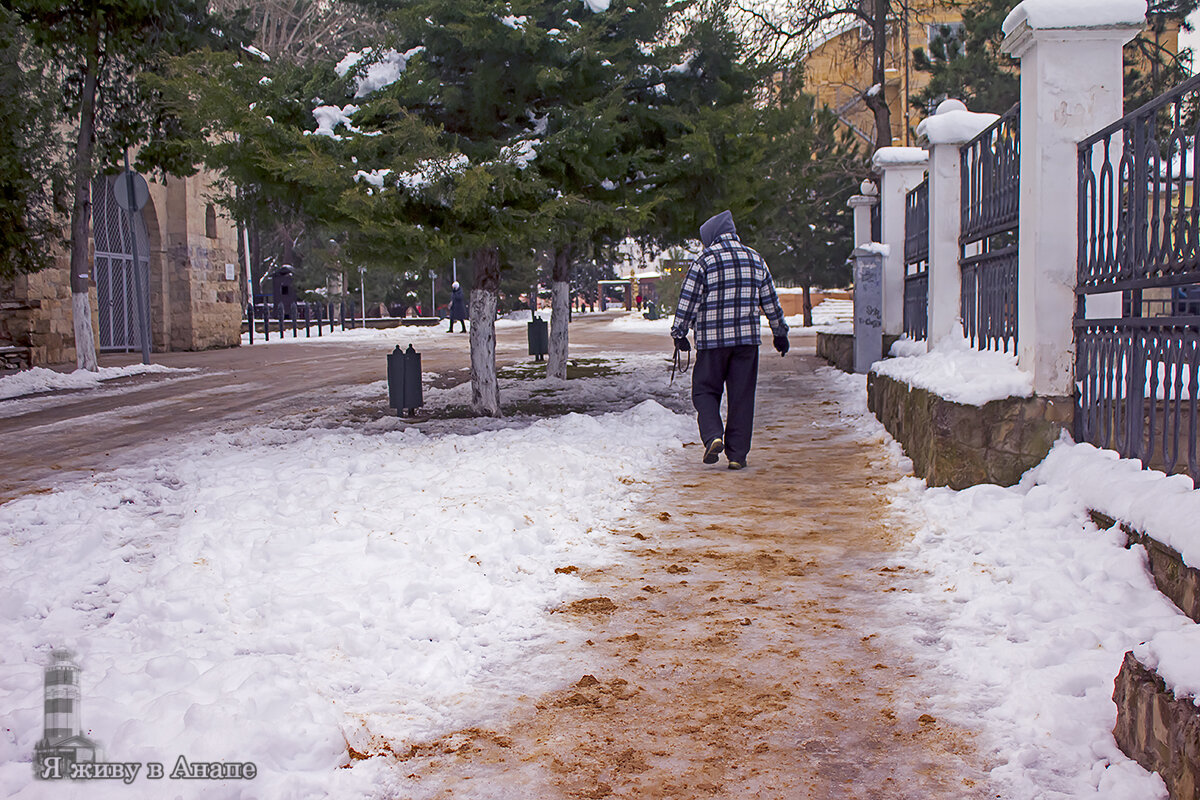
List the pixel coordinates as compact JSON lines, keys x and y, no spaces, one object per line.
{"x":957,"y":371}
{"x":278,"y":594}
{"x":40,"y":379}
{"x":828,"y":312}
{"x":1022,"y":611}
{"x":416,"y":333}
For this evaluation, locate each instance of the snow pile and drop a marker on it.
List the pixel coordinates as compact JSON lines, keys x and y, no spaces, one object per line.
{"x":40,"y":379}
{"x":521,"y":154}
{"x":278,"y":595}
{"x":430,"y":171}
{"x":374,"y":177}
{"x":961,"y":374}
{"x":1076,"y":14}
{"x":1161,"y":506}
{"x":874,"y":248}
{"x":379,"y":73}
{"x":597,"y":6}
{"x":954,"y":124}
{"x":907,"y":348}
{"x":1173,"y":655}
{"x":402,"y":335}
{"x":899,"y":156}
{"x":1026,"y":613}
{"x":330,"y":117}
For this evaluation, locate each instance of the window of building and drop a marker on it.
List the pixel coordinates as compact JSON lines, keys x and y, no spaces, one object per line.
{"x":210,"y":221}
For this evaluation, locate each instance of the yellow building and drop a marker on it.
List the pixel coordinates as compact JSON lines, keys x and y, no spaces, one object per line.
{"x":837,"y":67}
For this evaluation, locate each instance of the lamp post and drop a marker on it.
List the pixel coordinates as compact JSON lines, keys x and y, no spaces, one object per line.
{"x":432,"y":293}
{"x":362,"y":288}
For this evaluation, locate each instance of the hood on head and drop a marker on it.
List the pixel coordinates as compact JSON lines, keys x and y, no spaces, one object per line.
{"x":715,"y":226}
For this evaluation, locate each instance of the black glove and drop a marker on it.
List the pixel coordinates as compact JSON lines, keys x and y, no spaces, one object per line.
{"x":682,"y":344}
{"x":782,"y":344}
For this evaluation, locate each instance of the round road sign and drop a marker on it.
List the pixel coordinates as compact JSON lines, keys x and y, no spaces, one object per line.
{"x":121,"y":186}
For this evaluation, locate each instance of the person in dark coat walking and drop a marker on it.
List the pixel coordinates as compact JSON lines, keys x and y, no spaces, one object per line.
{"x":458,"y":307}
{"x":720,"y":299}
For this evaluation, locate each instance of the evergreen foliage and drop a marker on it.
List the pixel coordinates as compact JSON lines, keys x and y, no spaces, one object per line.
{"x":807,"y":234}
{"x":976,"y":71}
{"x":33,"y":178}
{"x":972,"y":69}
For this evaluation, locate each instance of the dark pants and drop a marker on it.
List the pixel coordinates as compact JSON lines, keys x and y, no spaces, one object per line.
{"x":732,"y":371}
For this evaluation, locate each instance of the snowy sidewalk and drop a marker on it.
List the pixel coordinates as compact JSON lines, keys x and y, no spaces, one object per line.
{"x":739,"y":649}
{"x":557,"y":604}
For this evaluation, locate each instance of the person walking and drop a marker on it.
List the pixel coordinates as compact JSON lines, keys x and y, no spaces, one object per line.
{"x":720,"y":299}
{"x":458,"y":307}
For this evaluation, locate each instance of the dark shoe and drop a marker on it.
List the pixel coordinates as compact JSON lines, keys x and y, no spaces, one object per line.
{"x":713,"y":450}
{"x":737,"y":464}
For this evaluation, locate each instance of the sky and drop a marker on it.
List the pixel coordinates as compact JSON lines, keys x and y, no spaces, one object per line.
{"x":1192,"y":39}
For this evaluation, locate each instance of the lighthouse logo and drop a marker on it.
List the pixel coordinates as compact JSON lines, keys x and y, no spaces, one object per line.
{"x":62,"y":744}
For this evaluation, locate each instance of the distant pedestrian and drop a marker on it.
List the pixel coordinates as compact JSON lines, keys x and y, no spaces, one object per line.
{"x":458,"y":307}
{"x":720,"y":298}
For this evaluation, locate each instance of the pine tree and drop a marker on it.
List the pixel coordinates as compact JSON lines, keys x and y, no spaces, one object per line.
{"x":816,"y":166}
{"x":977,"y":72}
{"x":33,"y":196}
{"x":973,"y":69}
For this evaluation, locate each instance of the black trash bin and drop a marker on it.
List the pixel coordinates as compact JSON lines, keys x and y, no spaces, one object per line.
{"x":404,"y":380}
{"x":539,"y":338}
{"x":283,"y":291}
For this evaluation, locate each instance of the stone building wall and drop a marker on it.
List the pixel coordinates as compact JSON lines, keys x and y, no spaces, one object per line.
{"x":36,"y":317}
{"x":193,"y":304}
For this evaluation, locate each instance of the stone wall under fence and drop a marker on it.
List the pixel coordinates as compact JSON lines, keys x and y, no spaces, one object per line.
{"x":957,"y":445}
{"x":1157,"y":729}
{"x":1154,"y":727}
{"x":838,"y":348}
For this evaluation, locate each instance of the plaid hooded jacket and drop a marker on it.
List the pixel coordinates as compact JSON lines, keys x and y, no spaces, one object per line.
{"x":724,"y":290}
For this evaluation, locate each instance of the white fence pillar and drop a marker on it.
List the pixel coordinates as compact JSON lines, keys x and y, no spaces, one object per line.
{"x":1071,"y":86}
{"x":862,"y":205}
{"x":947,"y":130}
{"x":902,"y":168}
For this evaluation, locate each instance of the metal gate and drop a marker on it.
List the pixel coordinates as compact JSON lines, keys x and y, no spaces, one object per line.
{"x":1138,"y":355}
{"x":116,"y":280}
{"x":991,"y":191}
{"x":916,"y":262}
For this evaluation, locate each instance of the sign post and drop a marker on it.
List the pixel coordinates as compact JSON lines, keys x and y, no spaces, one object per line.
{"x":868,"y":306}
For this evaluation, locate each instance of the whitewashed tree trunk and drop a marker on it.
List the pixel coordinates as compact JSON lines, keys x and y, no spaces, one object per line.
{"x":485,"y":386}
{"x":560,"y":317}
{"x":85,"y":342}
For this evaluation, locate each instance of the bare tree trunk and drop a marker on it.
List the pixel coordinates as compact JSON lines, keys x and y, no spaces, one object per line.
{"x":81,"y":306}
{"x":560,"y":313}
{"x":876,"y":97}
{"x":806,"y":304}
{"x":485,"y":386}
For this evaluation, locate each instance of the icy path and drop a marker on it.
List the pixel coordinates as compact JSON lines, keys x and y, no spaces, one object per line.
{"x":741,"y":649}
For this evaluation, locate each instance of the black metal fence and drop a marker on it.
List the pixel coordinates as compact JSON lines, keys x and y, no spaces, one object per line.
{"x":1137,"y":315}
{"x":916,"y":262}
{"x":991,"y":189}
{"x":277,"y":318}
